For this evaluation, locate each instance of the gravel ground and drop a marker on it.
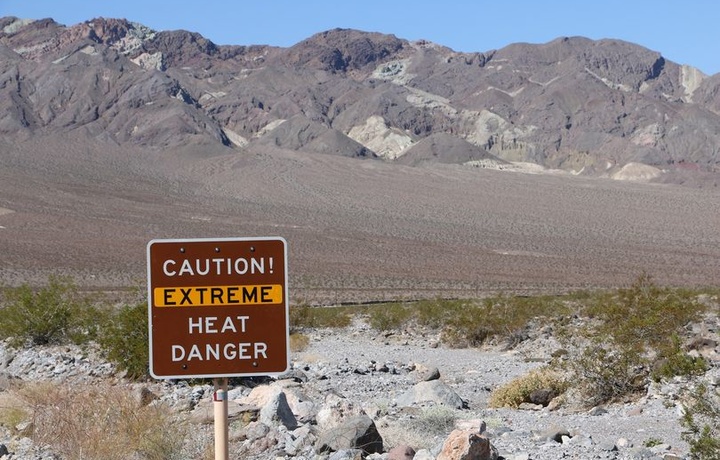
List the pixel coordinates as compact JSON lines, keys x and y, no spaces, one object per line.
{"x":373,"y":369}
{"x":613,"y":432}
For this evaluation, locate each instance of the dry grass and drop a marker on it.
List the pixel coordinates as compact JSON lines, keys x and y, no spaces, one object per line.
{"x":518,"y":391}
{"x":99,"y":422}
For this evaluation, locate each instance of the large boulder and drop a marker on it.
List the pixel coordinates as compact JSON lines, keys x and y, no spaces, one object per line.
{"x":433,"y":391}
{"x":356,"y":432}
{"x":467,"y":445}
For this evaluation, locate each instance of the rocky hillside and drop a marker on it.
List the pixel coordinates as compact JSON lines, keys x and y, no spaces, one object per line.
{"x":601,"y":108}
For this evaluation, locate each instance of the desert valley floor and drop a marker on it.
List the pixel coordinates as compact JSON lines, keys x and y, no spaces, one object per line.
{"x":357,"y":230}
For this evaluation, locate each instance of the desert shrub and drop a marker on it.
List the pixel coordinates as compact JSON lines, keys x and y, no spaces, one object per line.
{"x":306,"y":316}
{"x":423,"y":430}
{"x":298,"y":342}
{"x":389,"y":316}
{"x":100,"y":421}
{"x":434,"y":421}
{"x":55,"y":313}
{"x":518,"y":390}
{"x":125,"y":339}
{"x":701,"y":420}
{"x":500,"y":318}
{"x":630,"y":331}
{"x":604,"y":374}
{"x":643,"y":316}
{"x":673,"y":361}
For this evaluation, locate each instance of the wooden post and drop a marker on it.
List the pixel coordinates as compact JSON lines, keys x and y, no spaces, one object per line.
{"x":220,"y":409}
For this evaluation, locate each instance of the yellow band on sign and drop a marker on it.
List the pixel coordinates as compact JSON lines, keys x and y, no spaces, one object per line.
{"x":205,"y":296}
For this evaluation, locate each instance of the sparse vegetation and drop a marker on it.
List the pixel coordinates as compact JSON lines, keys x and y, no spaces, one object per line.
{"x":298,"y":341}
{"x":104,"y":421}
{"x":701,"y":420}
{"x":626,"y":332}
{"x":303,"y":316}
{"x":125,"y":340}
{"x":55,"y":313}
{"x":518,"y":391}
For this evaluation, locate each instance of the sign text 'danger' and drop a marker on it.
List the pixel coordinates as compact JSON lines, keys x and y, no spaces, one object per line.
{"x":205,"y":296}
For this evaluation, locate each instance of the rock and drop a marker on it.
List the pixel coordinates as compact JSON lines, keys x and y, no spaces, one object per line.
{"x":423,"y":454}
{"x":434,"y":391}
{"x":347,"y":454}
{"x":401,"y":452}
{"x":357,"y":432}
{"x":295,"y":375}
{"x":335,"y":410}
{"x":426,"y":374}
{"x":529,"y":406}
{"x":277,"y":411}
{"x":144,"y":396}
{"x":554,"y":433}
{"x":597,"y":410}
{"x":467,"y":445}
{"x":542,"y":396}
{"x":3,"y":450}
{"x":476,"y":424}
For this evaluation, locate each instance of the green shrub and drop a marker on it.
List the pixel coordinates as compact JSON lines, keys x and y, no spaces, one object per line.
{"x":434,"y":421}
{"x":500,"y":318}
{"x":628,"y":333}
{"x":673,"y":361}
{"x":605,"y":374}
{"x":389,"y":316}
{"x":305,"y":316}
{"x":518,"y":390}
{"x":643,"y":316}
{"x":124,"y":340}
{"x":55,"y":313}
{"x":701,"y":420}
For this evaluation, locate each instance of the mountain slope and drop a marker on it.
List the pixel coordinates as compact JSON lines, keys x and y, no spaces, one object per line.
{"x":573,"y":104}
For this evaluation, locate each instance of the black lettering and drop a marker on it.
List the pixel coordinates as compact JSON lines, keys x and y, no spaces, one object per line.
{"x":231,"y":293}
{"x":216,"y":294}
{"x":265,"y":294}
{"x":249,"y":296}
{"x":201,"y":290}
{"x":186,"y":296}
{"x":168,"y":296}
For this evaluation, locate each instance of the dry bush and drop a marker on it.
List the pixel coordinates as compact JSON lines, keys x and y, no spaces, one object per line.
{"x":101,"y":422}
{"x":423,"y":431}
{"x":518,"y":390}
{"x":298,"y":342}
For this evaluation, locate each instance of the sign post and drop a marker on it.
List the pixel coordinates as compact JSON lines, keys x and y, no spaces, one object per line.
{"x":218,"y":308}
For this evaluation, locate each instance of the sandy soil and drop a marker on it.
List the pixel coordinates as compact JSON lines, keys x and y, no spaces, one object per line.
{"x":357,"y":229}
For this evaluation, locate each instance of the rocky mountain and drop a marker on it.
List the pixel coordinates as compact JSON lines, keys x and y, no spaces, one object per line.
{"x":601,"y":108}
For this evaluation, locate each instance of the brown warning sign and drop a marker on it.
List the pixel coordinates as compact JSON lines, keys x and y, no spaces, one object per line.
{"x":217,"y":307}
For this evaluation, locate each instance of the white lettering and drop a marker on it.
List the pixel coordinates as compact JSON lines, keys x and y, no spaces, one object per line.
{"x":216,"y":266}
{"x":230,"y":351}
{"x":194,"y":353}
{"x":242,"y":320}
{"x":210,"y":324}
{"x":238,"y":270}
{"x":228,"y":325}
{"x":193,"y":325}
{"x":178,"y":353}
{"x":165,"y":268}
{"x":185,"y":268}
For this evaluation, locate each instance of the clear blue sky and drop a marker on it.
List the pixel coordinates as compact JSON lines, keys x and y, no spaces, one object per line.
{"x":683,"y":32}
